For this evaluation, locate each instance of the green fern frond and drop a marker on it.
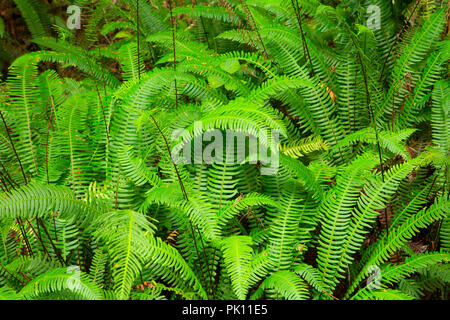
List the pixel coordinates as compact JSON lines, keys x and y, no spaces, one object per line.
{"x":237,"y":254}
{"x":60,"y":280}
{"x":125,"y":236}
{"x":285,"y":283}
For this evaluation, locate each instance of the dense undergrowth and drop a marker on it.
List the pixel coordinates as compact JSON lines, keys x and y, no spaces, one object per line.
{"x":93,"y":204}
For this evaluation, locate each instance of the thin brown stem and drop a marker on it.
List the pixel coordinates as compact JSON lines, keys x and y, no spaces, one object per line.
{"x":172,"y":21}
{"x":24,"y":236}
{"x":58,"y":255}
{"x":253,"y":24}
{"x":38,"y":235}
{"x":12,"y":276}
{"x":13,"y":148}
{"x":185,"y":196}
{"x":297,"y":11}
{"x":370,"y":110}
{"x":10,"y":180}
{"x":138,"y":34}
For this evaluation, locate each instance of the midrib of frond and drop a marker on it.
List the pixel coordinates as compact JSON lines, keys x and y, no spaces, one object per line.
{"x":97,"y":274}
{"x":283,"y":233}
{"x":242,"y":275}
{"x":411,"y":203}
{"x":299,"y":71}
{"x":123,"y":287}
{"x":50,"y":94}
{"x":324,"y":111}
{"x":368,"y":208}
{"x":324,"y":66}
{"x":423,"y":80}
{"x":393,"y":271}
{"x":116,"y":173}
{"x":420,"y":86}
{"x":256,"y":111}
{"x":400,"y":68}
{"x":96,"y":151}
{"x":72,"y":111}
{"x":254,"y":126}
{"x":132,"y":65}
{"x":439,"y":103}
{"x":423,"y":34}
{"x":405,"y":265}
{"x":336,"y":218}
{"x":390,"y":241}
{"x":73,"y":200}
{"x":347,"y":188}
{"x":304,"y":113}
{"x":348,"y":91}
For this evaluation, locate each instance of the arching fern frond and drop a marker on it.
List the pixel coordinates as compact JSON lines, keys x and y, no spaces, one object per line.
{"x":237,"y":254}
{"x":60,"y":280}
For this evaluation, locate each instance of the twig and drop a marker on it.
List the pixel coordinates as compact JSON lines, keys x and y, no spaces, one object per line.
{"x":172,"y":21}
{"x":296,"y":8}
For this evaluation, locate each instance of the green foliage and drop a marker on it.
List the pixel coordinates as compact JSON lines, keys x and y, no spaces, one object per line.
{"x":95,"y":204}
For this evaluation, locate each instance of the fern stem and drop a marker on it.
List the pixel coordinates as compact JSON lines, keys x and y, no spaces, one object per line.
{"x":213,"y":287}
{"x":253,"y":24}
{"x":11,"y":181}
{"x":202,"y":23}
{"x":206,"y":260}
{"x":14,"y":148}
{"x":38,"y":235}
{"x":99,"y":56}
{"x":103,"y":71}
{"x":5,"y":189}
{"x":12,"y":276}
{"x":369,"y":107}
{"x":330,"y":295}
{"x":372,"y":119}
{"x":4,"y":180}
{"x":58,"y":254}
{"x":24,"y":236}
{"x":138,"y":34}
{"x":185,"y":196}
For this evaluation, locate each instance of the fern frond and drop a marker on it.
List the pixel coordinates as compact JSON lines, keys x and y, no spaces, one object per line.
{"x":237,"y":254}
{"x":60,"y":280}
{"x":301,"y":147}
{"x":285,"y":283}
{"x":125,"y":236}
